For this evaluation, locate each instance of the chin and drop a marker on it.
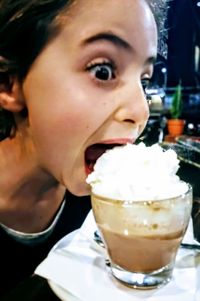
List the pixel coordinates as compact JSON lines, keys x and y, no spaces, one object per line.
{"x":79,"y":189}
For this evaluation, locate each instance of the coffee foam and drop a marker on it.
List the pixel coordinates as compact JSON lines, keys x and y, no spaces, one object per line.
{"x":154,"y":218}
{"x":137,"y":172}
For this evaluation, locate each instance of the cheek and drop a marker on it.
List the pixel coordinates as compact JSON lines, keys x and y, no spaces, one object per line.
{"x":63,"y":130}
{"x":58,"y":130}
{"x":63,"y":119}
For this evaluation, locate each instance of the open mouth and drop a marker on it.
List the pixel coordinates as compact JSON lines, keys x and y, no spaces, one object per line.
{"x":93,"y":152}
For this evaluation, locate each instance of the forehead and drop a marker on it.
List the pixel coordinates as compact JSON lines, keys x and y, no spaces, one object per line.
{"x":131,"y":19}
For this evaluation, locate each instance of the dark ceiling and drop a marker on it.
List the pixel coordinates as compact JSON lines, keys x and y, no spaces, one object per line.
{"x":183,"y":37}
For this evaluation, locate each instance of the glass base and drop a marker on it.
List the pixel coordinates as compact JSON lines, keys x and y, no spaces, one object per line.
{"x":143,"y":280}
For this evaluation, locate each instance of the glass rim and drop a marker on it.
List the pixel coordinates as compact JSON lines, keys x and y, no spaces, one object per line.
{"x":129,"y":201}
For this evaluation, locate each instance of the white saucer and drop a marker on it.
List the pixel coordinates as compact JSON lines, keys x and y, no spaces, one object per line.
{"x":62,"y":293}
{"x":86,"y":276}
{"x":63,"y":242}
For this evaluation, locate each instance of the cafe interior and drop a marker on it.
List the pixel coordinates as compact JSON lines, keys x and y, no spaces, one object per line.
{"x":178,"y":63}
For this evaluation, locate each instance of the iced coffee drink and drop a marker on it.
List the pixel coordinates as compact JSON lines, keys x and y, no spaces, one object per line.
{"x":142,"y":210}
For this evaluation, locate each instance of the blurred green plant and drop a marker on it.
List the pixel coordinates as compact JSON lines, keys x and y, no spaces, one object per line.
{"x":177,"y":103}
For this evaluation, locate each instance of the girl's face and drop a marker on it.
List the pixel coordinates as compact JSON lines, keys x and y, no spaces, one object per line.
{"x":84,"y":92}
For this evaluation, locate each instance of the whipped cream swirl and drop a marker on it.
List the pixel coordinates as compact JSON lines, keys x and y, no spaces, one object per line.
{"x":137,"y":172}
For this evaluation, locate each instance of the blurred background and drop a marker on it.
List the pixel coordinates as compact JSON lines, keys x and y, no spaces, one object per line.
{"x":178,"y":63}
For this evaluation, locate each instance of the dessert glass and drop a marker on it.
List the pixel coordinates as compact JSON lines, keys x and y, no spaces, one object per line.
{"x":142,"y":237}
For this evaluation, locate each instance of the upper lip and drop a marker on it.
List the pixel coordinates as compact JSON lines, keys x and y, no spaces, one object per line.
{"x":120,"y":141}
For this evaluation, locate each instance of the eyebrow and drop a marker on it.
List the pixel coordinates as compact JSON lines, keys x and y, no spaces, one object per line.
{"x":116,"y":40}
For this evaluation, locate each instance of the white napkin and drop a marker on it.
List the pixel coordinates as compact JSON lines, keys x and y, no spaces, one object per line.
{"x":77,"y":265}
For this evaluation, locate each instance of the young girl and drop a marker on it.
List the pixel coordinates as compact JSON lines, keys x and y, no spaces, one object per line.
{"x":72,"y":84}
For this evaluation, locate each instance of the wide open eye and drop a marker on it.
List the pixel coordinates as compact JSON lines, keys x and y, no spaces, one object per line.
{"x":102,"y":72}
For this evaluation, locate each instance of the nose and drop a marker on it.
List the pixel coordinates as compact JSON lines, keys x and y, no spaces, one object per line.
{"x":133,"y":106}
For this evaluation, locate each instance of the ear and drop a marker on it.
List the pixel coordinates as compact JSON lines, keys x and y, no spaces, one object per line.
{"x":11,"y":96}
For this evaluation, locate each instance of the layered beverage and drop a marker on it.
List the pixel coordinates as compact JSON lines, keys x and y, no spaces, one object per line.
{"x":142,"y":210}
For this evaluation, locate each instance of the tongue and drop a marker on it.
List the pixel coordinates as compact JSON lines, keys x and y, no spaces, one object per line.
{"x":95,"y":151}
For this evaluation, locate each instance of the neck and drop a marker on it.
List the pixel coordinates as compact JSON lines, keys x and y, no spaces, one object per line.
{"x":29,"y":196}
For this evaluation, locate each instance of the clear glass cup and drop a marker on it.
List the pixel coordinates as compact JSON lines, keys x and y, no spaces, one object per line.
{"x":142,"y":237}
